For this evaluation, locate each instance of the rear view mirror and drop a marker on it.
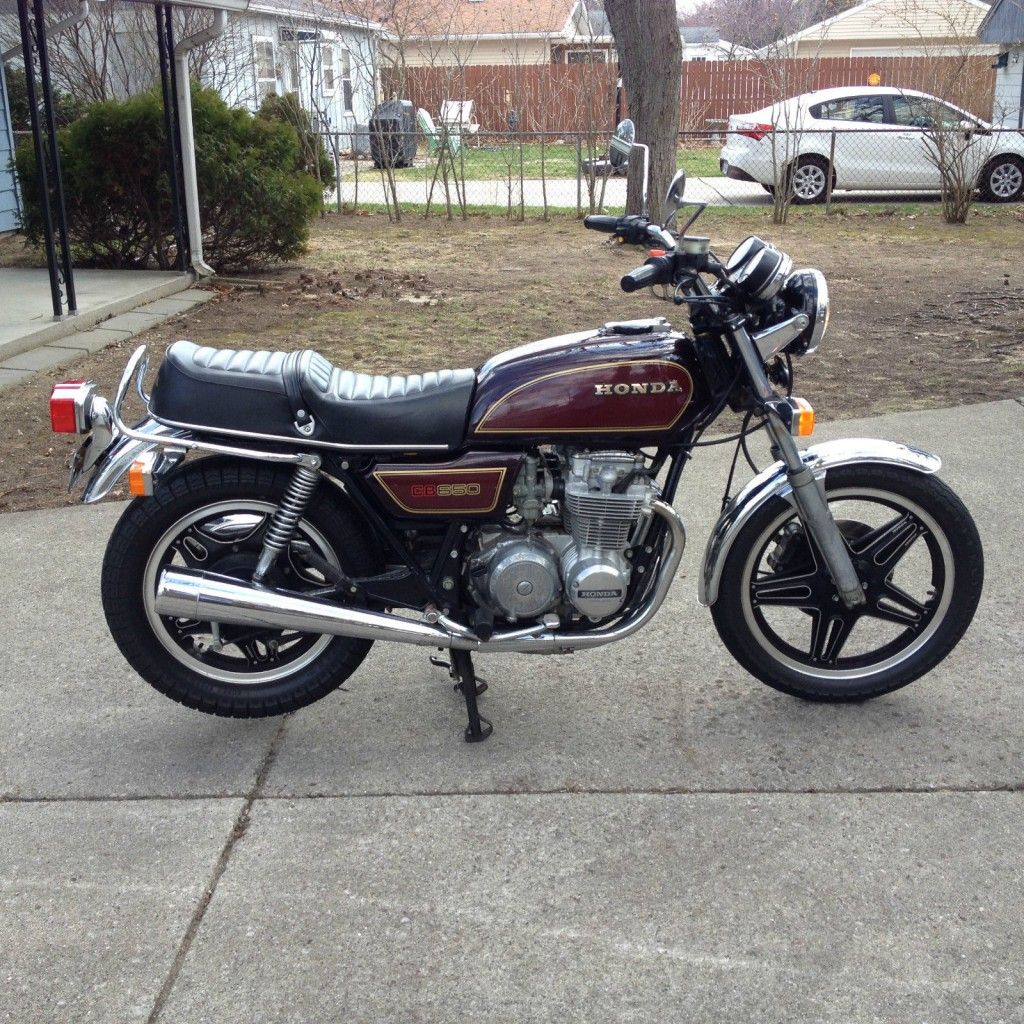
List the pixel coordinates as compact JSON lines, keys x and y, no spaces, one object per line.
{"x":675,"y":197}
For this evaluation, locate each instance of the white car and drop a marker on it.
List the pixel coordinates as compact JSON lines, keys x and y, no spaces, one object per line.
{"x":880,"y":136}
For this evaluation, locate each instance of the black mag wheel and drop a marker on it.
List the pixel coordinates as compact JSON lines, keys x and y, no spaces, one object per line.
{"x":213,"y":516}
{"x":918,"y":554}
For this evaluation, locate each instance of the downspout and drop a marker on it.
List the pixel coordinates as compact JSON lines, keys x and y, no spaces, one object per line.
{"x":51,"y":30}
{"x":188,"y":142}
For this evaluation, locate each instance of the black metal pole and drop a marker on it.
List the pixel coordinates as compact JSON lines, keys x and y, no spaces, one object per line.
{"x":28,"y":33}
{"x":168,"y":79}
{"x":58,"y":174}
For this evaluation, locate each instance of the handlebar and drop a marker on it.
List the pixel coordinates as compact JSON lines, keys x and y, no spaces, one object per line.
{"x":657,"y":270}
{"x":633,"y":230}
{"x":600,"y":222}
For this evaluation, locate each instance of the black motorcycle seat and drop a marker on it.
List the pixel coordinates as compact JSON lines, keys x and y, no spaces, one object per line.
{"x":276,"y":393}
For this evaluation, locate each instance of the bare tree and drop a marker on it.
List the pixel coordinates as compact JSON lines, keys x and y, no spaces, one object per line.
{"x":650,"y":57}
{"x":952,"y":140}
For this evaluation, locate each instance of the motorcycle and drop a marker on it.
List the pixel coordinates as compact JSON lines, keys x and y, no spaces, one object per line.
{"x":522,"y":507}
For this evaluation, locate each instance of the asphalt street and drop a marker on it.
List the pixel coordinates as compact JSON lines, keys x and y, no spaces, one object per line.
{"x":650,"y":834}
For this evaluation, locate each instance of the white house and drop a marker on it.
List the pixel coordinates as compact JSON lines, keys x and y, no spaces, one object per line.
{"x":1004,"y":27}
{"x":704,"y":44}
{"x":890,"y":28}
{"x":308,"y":47}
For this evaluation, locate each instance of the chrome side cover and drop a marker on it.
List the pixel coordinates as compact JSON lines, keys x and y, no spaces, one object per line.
{"x":773,"y":482}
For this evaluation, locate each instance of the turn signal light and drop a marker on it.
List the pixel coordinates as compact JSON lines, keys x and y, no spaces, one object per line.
{"x":803,"y":418}
{"x":69,"y":407}
{"x":140,"y":476}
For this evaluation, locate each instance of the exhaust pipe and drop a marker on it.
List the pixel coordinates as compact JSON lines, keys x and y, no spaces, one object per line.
{"x":207,"y":597}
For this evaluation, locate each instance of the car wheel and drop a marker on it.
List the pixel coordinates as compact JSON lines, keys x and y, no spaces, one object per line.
{"x":1003,"y":180}
{"x":808,"y":181}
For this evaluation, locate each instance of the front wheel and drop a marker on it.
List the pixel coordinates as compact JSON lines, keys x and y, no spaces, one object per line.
{"x":1003,"y":179}
{"x":213,"y":516}
{"x":917,"y":552}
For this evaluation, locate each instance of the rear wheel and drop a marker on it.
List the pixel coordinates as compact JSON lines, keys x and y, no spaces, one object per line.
{"x":1003,"y":179}
{"x":808,"y":180}
{"x":213,"y":516}
{"x":918,"y":555}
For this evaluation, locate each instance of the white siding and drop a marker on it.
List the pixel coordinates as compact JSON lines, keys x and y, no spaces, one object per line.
{"x":234,"y":75}
{"x":9,"y":217}
{"x":906,"y":22}
{"x":1006,"y":109}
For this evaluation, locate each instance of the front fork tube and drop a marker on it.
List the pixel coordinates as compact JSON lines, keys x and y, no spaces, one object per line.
{"x":809,"y":497}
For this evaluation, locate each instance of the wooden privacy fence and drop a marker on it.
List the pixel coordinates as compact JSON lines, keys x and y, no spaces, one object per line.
{"x":573,"y":98}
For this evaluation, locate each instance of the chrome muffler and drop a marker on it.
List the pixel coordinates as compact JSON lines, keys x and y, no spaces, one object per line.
{"x":207,"y":597}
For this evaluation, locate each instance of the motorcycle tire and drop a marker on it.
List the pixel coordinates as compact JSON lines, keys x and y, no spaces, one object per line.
{"x":212,"y":515}
{"x":918,"y":554}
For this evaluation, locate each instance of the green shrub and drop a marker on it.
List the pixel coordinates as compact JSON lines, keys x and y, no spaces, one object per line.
{"x":255,"y":202}
{"x":66,"y":108}
{"x":315,"y":159}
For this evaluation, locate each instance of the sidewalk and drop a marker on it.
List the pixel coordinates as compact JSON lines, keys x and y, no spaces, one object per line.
{"x":650,"y":835}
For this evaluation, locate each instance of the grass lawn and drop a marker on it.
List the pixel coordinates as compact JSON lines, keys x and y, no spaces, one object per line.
{"x":492,"y":161}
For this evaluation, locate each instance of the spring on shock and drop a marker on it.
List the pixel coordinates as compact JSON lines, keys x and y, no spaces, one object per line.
{"x":286,"y":517}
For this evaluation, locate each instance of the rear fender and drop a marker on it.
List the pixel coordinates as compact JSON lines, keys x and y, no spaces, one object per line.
{"x":123,"y":451}
{"x":774,"y":483}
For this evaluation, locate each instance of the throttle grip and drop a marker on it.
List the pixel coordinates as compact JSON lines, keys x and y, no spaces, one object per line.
{"x":600,"y":222}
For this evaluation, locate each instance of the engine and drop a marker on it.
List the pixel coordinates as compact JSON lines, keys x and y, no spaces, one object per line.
{"x":578,"y":514}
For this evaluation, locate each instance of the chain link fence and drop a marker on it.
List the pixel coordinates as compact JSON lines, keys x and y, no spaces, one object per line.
{"x":519,"y":174}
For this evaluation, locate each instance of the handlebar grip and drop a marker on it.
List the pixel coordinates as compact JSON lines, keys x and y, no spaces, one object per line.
{"x":599,"y":222}
{"x":657,"y":270}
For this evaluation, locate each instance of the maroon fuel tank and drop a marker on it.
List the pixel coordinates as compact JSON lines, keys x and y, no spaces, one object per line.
{"x":645,"y":386}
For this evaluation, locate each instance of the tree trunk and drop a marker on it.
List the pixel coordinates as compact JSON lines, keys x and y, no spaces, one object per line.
{"x":650,"y":61}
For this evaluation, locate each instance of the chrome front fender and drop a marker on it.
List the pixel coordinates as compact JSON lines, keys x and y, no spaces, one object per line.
{"x":122,"y":452}
{"x":773,"y":483}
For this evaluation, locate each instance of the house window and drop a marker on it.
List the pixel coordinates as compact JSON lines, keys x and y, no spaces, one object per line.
{"x":586,"y":57}
{"x":327,"y":70}
{"x":265,"y":67}
{"x":346,"y":80}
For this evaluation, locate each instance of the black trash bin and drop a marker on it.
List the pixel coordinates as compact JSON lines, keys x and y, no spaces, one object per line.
{"x":393,"y":134}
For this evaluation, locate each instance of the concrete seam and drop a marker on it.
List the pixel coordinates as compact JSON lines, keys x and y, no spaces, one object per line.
{"x":1019,"y":401}
{"x":238,"y":830}
{"x":1010,"y":787}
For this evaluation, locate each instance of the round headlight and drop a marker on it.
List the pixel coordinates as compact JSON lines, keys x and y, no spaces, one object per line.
{"x":805,"y":291}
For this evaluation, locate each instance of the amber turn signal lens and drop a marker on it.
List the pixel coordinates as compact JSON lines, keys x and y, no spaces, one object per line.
{"x":140,"y":476}
{"x":803,"y":418}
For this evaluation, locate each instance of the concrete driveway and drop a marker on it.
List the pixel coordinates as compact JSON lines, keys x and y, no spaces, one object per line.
{"x":650,"y":835}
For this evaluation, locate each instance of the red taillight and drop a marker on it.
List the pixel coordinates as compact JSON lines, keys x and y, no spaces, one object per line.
{"x":754,"y":131}
{"x":70,"y":403}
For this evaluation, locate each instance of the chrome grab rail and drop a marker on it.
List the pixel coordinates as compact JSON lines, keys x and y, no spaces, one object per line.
{"x":136,"y":370}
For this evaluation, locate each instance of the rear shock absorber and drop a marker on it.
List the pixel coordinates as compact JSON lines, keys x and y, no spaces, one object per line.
{"x":287,"y":515}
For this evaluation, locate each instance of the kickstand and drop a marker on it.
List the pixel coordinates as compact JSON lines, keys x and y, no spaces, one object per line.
{"x":478,"y":728}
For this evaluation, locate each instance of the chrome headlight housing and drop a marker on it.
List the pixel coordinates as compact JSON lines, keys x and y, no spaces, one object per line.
{"x":806,"y":291}
{"x":758,"y":269}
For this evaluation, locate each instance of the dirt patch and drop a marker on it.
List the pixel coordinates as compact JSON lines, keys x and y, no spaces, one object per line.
{"x":924,"y":315}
